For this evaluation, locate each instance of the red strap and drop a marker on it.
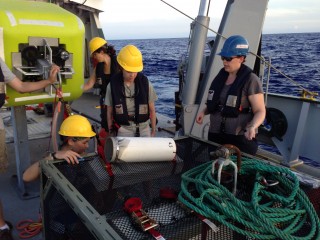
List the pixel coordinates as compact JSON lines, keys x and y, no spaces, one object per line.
{"x":59,"y":93}
{"x":168,"y":193}
{"x":133,"y":205}
{"x":109,"y":169}
{"x":102,"y":155}
{"x":207,"y":222}
{"x":100,"y":149}
{"x":156,"y":234}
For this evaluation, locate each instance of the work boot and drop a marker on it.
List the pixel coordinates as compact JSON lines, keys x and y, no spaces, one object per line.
{"x":6,"y":234}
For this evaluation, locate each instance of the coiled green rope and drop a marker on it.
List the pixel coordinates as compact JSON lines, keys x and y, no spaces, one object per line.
{"x":273,"y":212}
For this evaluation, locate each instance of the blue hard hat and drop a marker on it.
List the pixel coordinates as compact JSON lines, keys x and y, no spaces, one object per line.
{"x":235,"y":46}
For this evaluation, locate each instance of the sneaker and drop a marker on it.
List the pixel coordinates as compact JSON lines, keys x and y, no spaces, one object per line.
{"x":6,"y":233}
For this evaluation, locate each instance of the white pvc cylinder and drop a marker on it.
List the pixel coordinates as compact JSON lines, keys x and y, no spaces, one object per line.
{"x":140,"y":149}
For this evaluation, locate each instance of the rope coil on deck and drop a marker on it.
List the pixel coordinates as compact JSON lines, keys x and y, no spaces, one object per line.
{"x":274,"y":210}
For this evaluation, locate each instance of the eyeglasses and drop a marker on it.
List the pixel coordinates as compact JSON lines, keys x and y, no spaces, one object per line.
{"x":228,"y":59}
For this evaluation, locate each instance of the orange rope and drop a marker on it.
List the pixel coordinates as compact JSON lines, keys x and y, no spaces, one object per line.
{"x":29,"y":228}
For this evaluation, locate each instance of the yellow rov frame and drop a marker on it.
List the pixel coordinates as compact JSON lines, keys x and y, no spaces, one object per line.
{"x":33,"y":35}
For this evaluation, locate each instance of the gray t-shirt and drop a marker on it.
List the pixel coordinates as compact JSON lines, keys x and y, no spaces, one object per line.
{"x":129,"y":92}
{"x":8,"y":75}
{"x":236,"y":125}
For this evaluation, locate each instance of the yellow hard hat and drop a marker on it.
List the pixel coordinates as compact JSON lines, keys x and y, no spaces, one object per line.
{"x":130,"y":59}
{"x":96,"y":43}
{"x":76,"y":126}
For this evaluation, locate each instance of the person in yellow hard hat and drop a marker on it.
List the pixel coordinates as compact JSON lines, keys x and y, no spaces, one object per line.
{"x":105,"y":64}
{"x":75,"y":132}
{"x":130,"y":97}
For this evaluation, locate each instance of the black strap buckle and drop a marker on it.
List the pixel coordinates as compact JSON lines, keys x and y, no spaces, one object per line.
{"x":137,"y":134}
{"x":223,"y":125}
{"x":131,"y":118}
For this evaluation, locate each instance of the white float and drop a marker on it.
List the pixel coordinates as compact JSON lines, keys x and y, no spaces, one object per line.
{"x":140,"y":149}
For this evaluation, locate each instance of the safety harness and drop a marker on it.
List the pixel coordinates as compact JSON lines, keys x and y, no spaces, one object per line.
{"x":231,"y":108}
{"x":102,"y":80}
{"x":141,"y":98}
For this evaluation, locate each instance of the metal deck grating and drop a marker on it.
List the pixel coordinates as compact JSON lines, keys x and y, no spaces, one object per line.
{"x":39,"y":126}
{"x":88,"y":203}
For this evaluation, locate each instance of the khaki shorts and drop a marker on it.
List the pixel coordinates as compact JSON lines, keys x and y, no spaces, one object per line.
{"x":129,"y":131}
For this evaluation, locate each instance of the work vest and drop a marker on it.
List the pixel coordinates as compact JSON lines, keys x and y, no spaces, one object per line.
{"x":141,"y":99}
{"x":231,"y":107}
{"x":104,"y":79}
{"x":2,"y":89}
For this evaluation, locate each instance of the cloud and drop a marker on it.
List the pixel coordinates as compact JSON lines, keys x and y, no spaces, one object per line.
{"x":151,"y":29}
{"x":127,"y":19}
{"x":291,"y":20}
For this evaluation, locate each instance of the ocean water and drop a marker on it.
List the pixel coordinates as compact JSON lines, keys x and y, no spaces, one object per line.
{"x":296,"y":55}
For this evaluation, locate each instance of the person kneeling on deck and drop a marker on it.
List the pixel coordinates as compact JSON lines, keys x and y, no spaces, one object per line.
{"x":130,"y":97}
{"x":75,"y":132}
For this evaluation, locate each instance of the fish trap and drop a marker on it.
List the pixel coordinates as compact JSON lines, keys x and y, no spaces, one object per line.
{"x":130,"y":200}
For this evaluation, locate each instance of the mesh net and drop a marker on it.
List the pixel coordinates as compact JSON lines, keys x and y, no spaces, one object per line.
{"x":143,"y":180}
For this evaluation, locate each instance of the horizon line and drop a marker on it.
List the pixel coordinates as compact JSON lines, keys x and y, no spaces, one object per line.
{"x":153,"y":38}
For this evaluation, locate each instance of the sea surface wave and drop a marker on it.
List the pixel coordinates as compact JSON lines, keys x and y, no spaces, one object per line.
{"x":296,"y":55}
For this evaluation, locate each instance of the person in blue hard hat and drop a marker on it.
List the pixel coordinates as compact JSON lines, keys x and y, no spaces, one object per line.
{"x":235,"y":99}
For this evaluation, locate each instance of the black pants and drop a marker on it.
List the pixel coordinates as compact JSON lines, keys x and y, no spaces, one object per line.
{"x":240,"y":141}
{"x":103,"y":114}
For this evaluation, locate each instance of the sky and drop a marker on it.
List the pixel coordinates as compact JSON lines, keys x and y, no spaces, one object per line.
{"x":146,"y":19}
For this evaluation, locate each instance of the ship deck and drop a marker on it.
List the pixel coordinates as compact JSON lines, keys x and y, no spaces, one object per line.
{"x":17,"y":208}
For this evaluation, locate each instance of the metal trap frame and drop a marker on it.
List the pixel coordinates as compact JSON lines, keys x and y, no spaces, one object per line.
{"x":84,"y":202}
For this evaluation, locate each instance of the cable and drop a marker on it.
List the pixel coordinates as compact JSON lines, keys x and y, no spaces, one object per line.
{"x":29,"y":228}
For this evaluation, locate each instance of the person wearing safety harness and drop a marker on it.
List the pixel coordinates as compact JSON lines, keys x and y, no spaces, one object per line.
{"x":130,"y":97}
{"x":76,"y":132}
{"x":235,"y":99}
{"x":106,"y":65}
{"x":7,"y":77}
